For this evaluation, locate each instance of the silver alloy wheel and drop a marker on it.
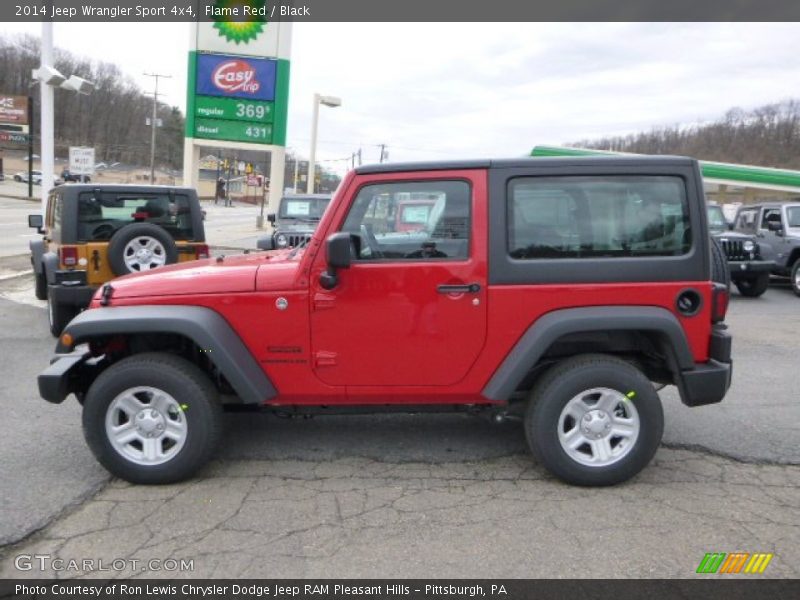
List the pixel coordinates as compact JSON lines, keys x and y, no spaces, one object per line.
{"x":146,"y":425}
{"x":51,"y":317}
{"x":598,"y":427}
{"x":143,"y":253}
{"x":797,"y":279}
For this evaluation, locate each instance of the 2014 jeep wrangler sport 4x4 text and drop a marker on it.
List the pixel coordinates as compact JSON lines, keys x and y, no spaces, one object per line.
{"x":564,"y":289}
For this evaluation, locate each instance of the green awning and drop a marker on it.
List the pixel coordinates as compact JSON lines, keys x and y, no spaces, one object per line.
{"x":745,"y":175}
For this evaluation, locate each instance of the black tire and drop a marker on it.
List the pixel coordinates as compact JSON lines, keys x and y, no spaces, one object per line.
{"x":59,"y":315}
{"x":719,"y":265}
{"x":795,"y":277}
{"x":753,"y":287}
{"x":40,"y":287}
{"x":182,"y":380}
{"x":567,"y":380}
{"x":118,"y":242}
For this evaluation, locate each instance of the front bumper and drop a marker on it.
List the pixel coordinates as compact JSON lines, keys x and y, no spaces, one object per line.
{"x":56,"y":381}
{"x":747,"y":267}
{"x":708,"y":382}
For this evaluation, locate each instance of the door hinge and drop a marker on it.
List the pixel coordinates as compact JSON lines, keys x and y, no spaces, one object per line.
{"x":324,"y":358}
{"x":323,"y":301}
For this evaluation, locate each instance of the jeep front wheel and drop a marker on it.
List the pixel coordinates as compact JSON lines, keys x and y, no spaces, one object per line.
{"x":594,"y":420}
{"x":152,"y":418}
{"x":753,"y":287}
{"x":795,"y":277}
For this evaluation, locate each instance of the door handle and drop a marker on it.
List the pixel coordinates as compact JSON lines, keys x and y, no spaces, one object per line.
{"x":459,"y":288}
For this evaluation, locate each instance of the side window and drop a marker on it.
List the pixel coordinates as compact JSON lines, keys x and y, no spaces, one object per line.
{"x":746,"y":220}
{"x":770,"y":215}
{"x":597,"y":216}
{"x":411,"y":220}
{"x":57,"y":208}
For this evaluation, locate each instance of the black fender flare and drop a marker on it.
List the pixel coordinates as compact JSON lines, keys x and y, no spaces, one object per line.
{"x":558,"y":323}
{"x":50,"y":266}
{"x":205,"y":327}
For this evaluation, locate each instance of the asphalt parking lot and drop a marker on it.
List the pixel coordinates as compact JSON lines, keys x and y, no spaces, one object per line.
{"x":410,"y":496}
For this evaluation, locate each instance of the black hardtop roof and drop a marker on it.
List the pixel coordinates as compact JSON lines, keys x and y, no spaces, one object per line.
{"x":512,"y":163}
{"x":72,"y":189}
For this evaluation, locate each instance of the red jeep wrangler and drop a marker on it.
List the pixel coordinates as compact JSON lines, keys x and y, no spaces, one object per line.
{"x":561,"y":289}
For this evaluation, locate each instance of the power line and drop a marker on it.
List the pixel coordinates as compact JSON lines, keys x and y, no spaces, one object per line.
{"x":155,"y":118}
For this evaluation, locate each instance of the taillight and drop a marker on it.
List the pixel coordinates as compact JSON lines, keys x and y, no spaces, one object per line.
{"x":719,"y":302}
{"x":201,"y":251}
{"x":68,"y":256}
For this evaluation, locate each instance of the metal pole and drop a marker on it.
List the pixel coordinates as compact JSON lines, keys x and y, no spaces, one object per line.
{"x":296,"y":164}
{"x":312,"y":155}
{"x":47,"y":129}
{"x":153,"y":123}
{"x":31,"y":131}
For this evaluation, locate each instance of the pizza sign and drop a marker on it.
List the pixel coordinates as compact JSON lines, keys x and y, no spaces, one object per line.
{"x":14,"y":109}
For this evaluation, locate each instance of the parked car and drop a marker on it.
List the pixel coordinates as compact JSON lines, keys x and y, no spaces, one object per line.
{"x":68,"y":176}
{"x":295,"y":221}
{"x":92,"y":234}
{"x":558,"y":290}
{"x":777,"y":227}
{"x":749,"y":271}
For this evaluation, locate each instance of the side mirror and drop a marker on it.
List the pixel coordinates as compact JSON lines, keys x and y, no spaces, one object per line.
{"x":271,"y":218}
{"x":265,"y":243}
{"x":774,"y":226}
{"x":340,"y":247}
{"x":37,"y":222}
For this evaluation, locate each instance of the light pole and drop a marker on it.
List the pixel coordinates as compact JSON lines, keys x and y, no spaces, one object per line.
{"x":49,"y":77}
{"x":333,"y":102}
{"x":154,"y":122}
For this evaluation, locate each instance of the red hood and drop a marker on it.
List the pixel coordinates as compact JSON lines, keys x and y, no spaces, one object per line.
{"x":232,"y":274}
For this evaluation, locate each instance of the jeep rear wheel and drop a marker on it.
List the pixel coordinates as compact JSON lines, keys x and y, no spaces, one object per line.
{"x":753,"y":286}
{"x":152,"y":418}
{"x":41,"y":285}
{"x":58,"y":315}
{"x":594,"y":420}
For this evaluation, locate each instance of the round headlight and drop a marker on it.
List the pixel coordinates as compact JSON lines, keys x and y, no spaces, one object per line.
{"x":281,"y":241}
{"x":748,"y":246}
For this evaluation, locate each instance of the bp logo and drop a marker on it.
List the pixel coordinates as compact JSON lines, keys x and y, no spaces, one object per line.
{"x":251,"y":25}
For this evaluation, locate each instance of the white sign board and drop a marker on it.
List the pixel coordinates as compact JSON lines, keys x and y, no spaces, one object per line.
{"x":81,"y":160}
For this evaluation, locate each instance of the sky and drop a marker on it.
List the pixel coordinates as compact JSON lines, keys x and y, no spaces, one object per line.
{"x":467,"y":90}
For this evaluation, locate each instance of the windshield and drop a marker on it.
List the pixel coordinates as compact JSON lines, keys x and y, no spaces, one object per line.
{"x":716,"y":219}
{"x":303,"y":208}
{"x":793,"y":216}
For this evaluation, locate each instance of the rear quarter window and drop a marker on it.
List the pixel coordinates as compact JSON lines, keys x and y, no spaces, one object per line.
{"x":597,"y":217}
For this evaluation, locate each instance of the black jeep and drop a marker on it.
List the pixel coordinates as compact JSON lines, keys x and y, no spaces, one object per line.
{"x":749,"y":271}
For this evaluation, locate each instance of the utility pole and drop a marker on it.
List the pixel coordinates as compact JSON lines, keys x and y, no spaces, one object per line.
{"x":383,"y":147}
{"x":153,"y":123}
{"x":359,"y":157}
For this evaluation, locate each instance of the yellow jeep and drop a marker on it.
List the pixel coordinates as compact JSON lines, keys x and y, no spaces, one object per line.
{"x":94,"y":233}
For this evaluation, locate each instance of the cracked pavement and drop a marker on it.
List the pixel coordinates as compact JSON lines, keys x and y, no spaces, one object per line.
{"x":497,"y":517}
{"x":412,"y":495}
